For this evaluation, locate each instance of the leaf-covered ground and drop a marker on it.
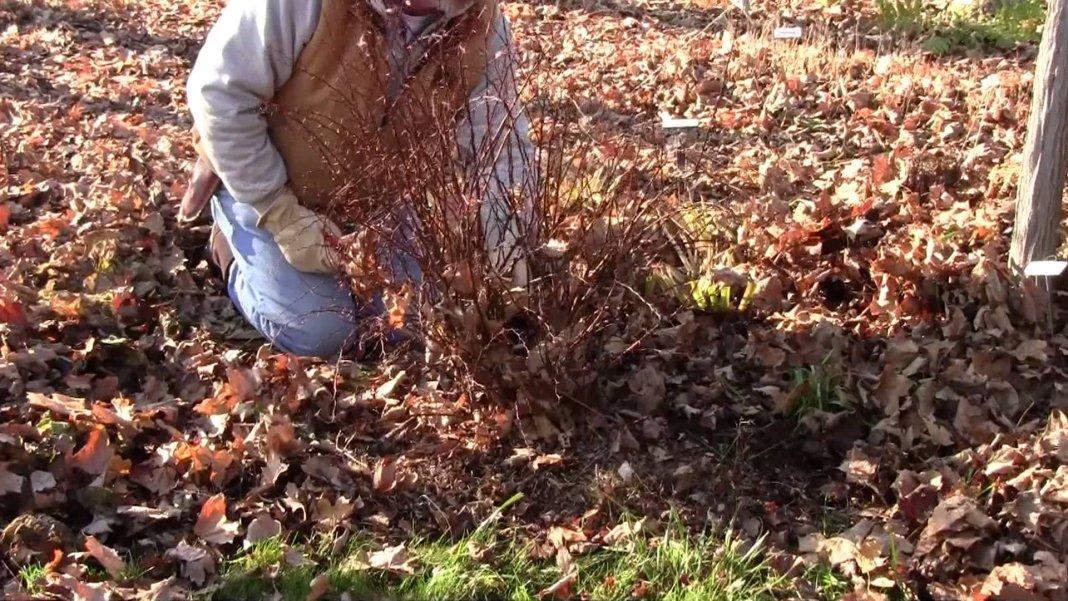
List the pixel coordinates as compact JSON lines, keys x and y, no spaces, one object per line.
{"x":886,"y":403}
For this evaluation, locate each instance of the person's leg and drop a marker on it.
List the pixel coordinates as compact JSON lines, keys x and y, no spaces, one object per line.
{"x":306,"y":314}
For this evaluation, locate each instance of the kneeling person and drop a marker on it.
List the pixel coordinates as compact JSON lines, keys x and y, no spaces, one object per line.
{"x":265,"y":64}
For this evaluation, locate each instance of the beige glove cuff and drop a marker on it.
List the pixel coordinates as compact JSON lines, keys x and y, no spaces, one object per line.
{"x":300,"y":234}
{"x":274,"y":210}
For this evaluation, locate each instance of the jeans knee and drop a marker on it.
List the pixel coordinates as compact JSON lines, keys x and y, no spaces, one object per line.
{"x":321,"y":335}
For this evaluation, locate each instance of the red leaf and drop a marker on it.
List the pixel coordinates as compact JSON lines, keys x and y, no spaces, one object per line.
{"x":94,"y":457}
{"x":11,"y":313}
{"x":212,"y":525}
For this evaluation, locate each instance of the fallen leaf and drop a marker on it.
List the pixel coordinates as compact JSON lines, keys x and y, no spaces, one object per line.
{"x":649,"y":388}
{"x":95,"y":456}
{"x":624,"y":531}
{"x":956,"y":513}
{"x":319,"y":586}
{"x":274,"y":467}
{"x":60,"y":404}
{"x":243,"y":382}
{"x":68,"y":305}
{"x":1035,"y":351}
{"x":838,"y":550}
{"x":859,"y":467}
{"x":197,"y":563}
{"x":869,"y":556}
{"x":212,"y":525}
{"x":105,"y":555}
{"x":864,"y":596}
{"x":397,"y":304}
{"x":10,"y":482}
{"x":12,"y":313}
{"x":330,"y":515}
{"x":282,"y":438}
{"x":542,"y":461}
{"x":84,"y":591}
{"x":561,"y":589}
{"x":262,"y":528}
{"x":386,"y":390}
{"x":891,"y":389}
{"x":100,"y":525}
{"x":560,"y":537}
{"x":385,"y":476}
{"x":520,"y":456}
{"x":294,"y":558}
{"x":641,"y":590}
{"x":393,"y":559}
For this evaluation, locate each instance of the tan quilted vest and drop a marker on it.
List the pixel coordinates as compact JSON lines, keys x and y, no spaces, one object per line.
{"x":331,"y":122}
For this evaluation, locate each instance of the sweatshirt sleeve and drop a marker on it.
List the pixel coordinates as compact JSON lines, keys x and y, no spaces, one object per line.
{"x":248,"y":55}
{"x":494,"y":139}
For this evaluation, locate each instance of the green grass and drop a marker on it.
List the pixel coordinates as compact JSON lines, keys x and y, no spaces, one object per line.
{"x":132,"y":571}
{"x":816,"y":388}
{"x":702,"y":239}
{"x":31,"y":577}
{"x":673,"y":565}
{"x":828,"y":583}
{"x":677,"y":566}
{"x":947,"y":31}
{"x":246,"y":574}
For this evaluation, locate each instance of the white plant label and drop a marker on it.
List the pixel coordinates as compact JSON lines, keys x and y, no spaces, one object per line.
{"x":1048,"y":269}
{"x":787,"y":33}
{"x":669,"y":122}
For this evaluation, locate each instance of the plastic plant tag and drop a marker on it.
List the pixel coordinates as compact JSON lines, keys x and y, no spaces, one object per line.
{"x":1048,"y":269}
{"x":669,"y":122}
{"x":787,"y":33}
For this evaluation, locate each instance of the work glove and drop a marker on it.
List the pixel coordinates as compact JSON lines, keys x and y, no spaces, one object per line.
{"x":506,"y":257}
{"x":307,"y":240}
{"x":507,"y":261}
{"x":503,"y":236}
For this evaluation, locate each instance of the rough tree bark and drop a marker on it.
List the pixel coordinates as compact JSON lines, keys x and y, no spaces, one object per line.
{"x":1045,"y":159}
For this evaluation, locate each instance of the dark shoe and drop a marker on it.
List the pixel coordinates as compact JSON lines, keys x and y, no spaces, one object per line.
{"x":222,"y":256}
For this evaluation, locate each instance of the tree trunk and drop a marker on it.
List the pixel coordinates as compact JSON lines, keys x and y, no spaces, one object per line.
{"x":1045,"y":160}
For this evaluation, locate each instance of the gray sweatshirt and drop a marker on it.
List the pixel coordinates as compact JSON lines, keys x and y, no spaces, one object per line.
{"x":250,"y":53}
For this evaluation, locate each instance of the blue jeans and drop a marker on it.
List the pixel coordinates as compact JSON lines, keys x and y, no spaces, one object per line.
{"x":305,"y":314}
